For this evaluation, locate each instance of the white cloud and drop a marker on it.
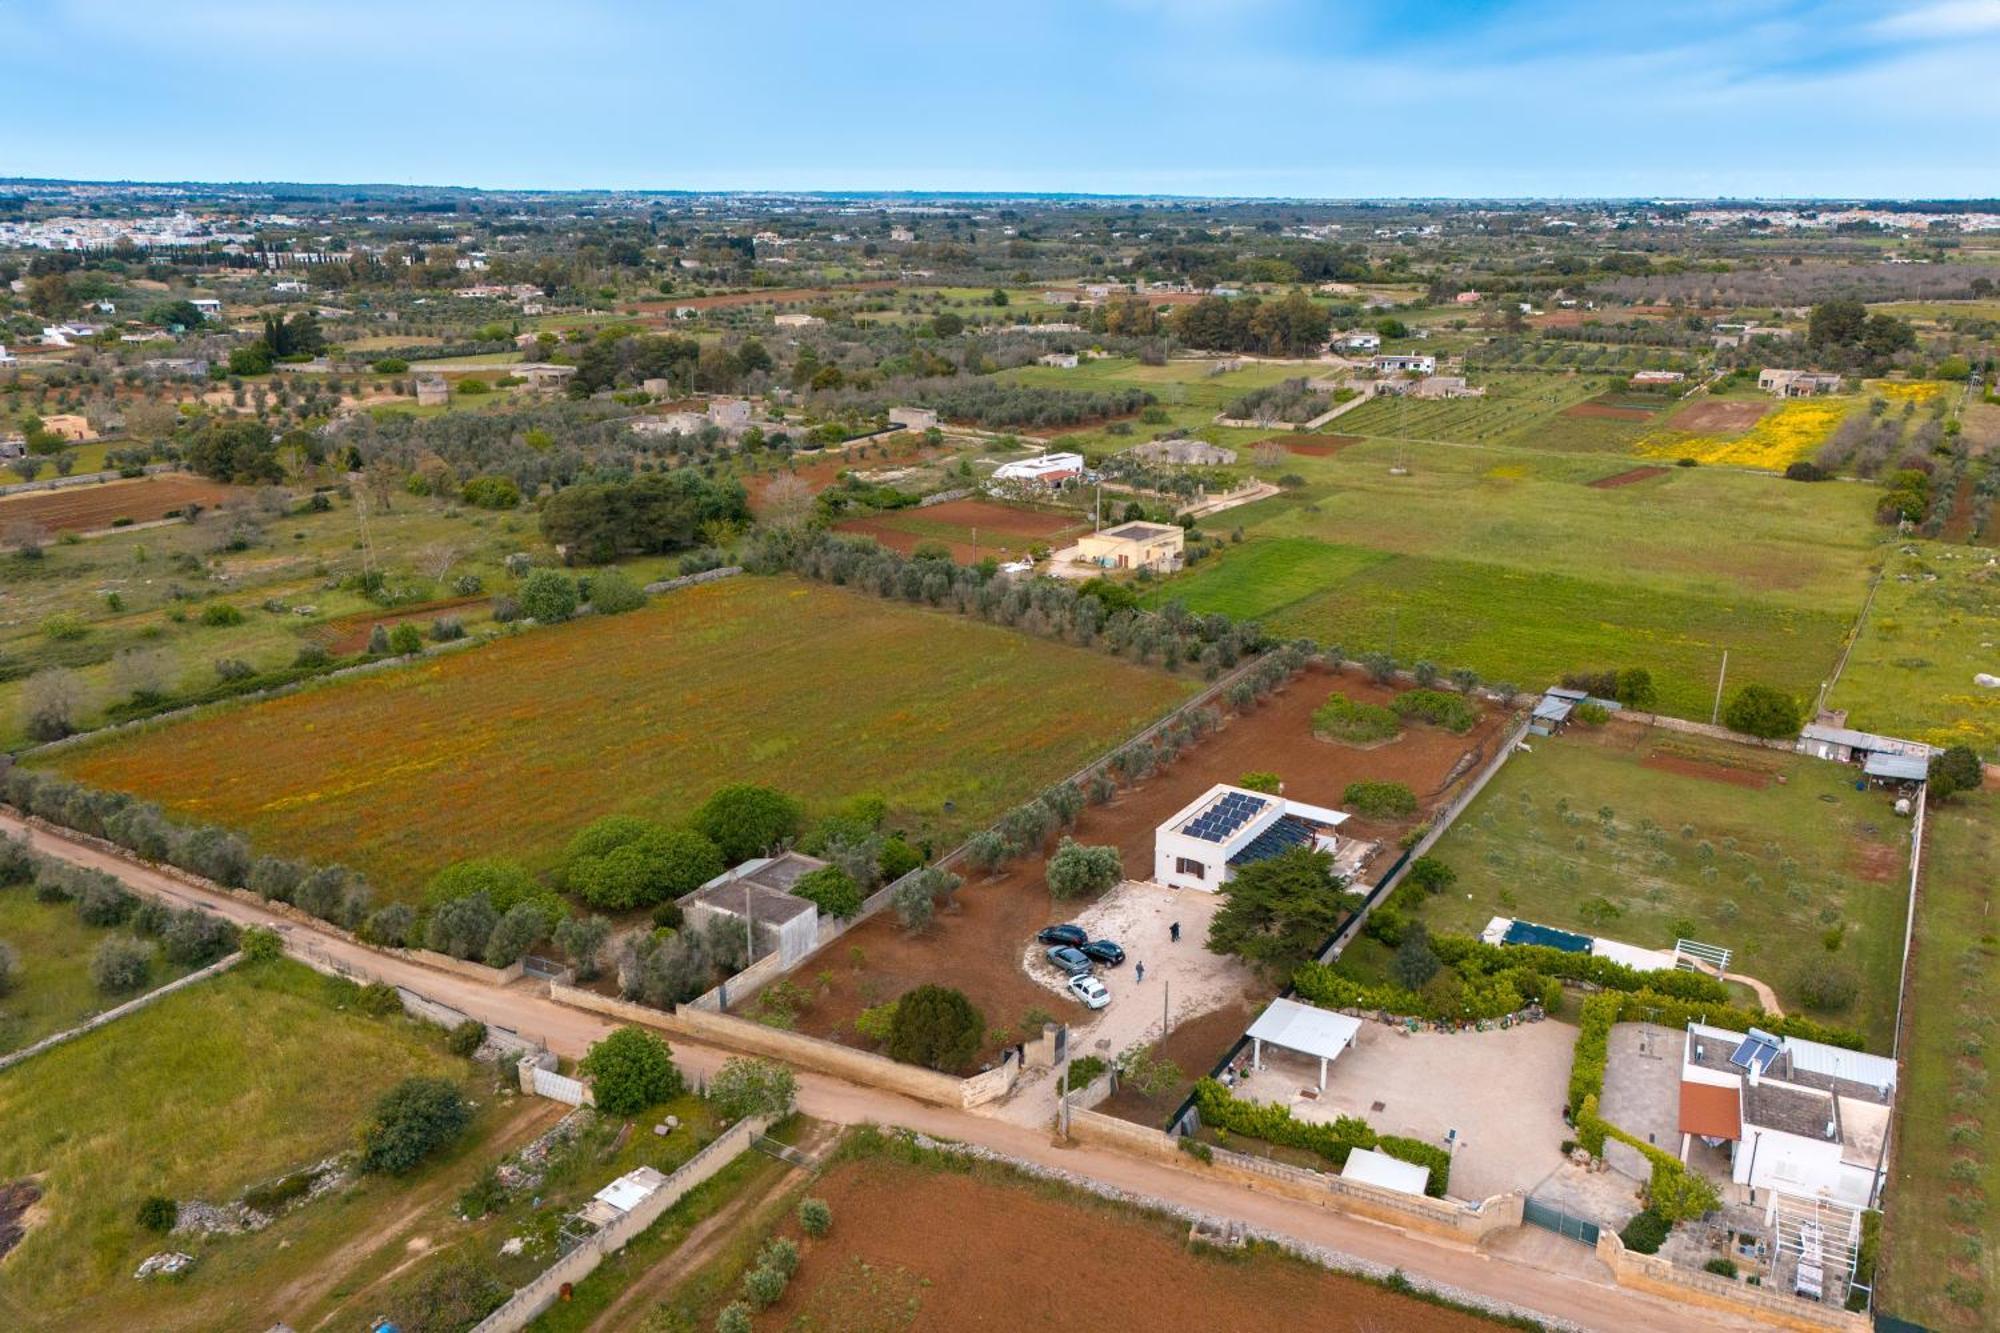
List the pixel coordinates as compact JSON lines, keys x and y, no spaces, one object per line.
{"x":1945,"y":18}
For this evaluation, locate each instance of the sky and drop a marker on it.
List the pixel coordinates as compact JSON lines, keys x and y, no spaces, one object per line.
{"x":1297,"y":98}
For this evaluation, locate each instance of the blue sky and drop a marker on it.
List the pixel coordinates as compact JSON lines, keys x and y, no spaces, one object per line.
{"x":1226,"y":97}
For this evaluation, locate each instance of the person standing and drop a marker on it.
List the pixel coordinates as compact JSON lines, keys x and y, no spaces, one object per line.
{"x":1174,"y":932}
{"x":1139,"y":971}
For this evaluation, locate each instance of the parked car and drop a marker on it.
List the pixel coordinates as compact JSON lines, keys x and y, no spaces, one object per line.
{"x":1090,"y":990}
{"x":1069,"y":960}
{"x":1074,"y":936}
{"x":1102,"y":951}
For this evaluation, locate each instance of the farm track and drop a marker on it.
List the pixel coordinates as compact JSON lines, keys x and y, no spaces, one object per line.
{"x":1591,"y":1302}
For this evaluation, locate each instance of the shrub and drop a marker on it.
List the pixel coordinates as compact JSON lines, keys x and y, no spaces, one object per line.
{"x":103,"y":901}
{"x":490,"y":492}
{"x":158,"y":1213}
{"x":1760,"y":710}
{"x":622,"y":861}
{"x":548,"y":596}
{"x":1592,"y":714}
{"x":10,"y":967}
{"x":613,"y":593}
{"x":1431,"y":875}
{"x":406,"y":639}
{"x":1381,"y":800}
{"x":1441,"y":708}
{"x":815,"y":1217}
{"x":582,"y":940}
{"x":504,"y":882}
{"x":121,"y":964}
{"x":1826,"y":984}
{"x":745,"y":1087}
{"x":630,"y":1070}
{"x":874,"y":1024}
{"x":780,"y":1255}
{"x":744,"y":820}
{"x":466,"y":1038}
{"x":734,"y":1318}
{"x":219,"y":614}
{"x":764,"y":1286}
{"x":1077,"y":871}
{"x":1956,"y":770}
{"x":936,"y":1027}
{"x":1727,"y":1267}
{"x":1331,"y":1141}
{"x":1260,"y":780}
{"x":390,"y":925}
{"x":1646,"y":1232}
{"x":260,"y":944}
{"x":378,"y":999}
{"x":1343,"y":719}
{"x":831,"y":889}
{"x":516,"y":932}
{"x":412,"y":1120}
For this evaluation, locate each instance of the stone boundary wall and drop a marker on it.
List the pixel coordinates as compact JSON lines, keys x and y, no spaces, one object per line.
{"x":692,"y":580}
{"x":82,"y":479}
{"x":1467,"y":1221}
{"x":131,"y":1006}
{"x":825,"y":1057}
{"x":526,"y":1304}
{"x":1780,"y":1309}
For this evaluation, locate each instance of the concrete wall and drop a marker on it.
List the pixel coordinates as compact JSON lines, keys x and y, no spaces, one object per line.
{"x":1711,"y":1291}
{"x":1467,"y":1221}
{"x":691,"y":580}
{"x":528,"y":1303}
{"x":113,"y":1015}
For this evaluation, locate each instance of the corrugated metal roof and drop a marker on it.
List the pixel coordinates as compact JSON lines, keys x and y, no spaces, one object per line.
{"x":1903,"y":767}
{"x":1815,"y":1057}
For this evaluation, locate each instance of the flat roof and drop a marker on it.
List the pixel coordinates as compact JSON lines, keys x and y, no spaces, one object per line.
{"x":1134,"y":532}
{"x":746,"y":897}
{"x":1901,"y":767}
{"x":1305,"y":1029}
{"x":631,"y":1189}
{"x":1711,"y":1110}
{"x":1378,"y":1168}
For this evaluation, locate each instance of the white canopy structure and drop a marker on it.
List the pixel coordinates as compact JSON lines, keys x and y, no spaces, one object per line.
{"x":1302,"y":1028}
{"x":1378,"y":1168}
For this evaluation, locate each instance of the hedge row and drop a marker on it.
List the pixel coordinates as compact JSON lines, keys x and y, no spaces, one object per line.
{"x":1492,"y":996}
{"x":1220,"y":1109}
{"x":1474,"y":957}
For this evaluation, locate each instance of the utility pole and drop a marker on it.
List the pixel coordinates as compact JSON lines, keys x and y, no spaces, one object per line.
{"x":1716,"y":712}
{"x":1166,"y":1020}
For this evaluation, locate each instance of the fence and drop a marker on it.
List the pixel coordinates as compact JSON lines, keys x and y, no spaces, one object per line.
{"x":416,"y":1004}
{"x":691,"y":580}
{"x":113,"y":1015}
{"x":1768,"y":1305}
{"x":526,"y":1304}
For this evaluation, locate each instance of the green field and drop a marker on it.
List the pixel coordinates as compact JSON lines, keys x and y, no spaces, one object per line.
{"x":53,"y":991}
{"x":1190,"y":393}
{"x":221,"y":1087}
{"x":1934,"y":624}
{"x":1943,"y":1256}
{"x":512,"y":747}
{"x":1513,"y":405}
{"x":1685,"y":850}
{"x":1510,"y":564}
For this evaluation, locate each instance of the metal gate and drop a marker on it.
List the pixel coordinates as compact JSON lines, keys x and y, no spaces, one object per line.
{"x":1538,"y":1214}
{"x":540,"y":967}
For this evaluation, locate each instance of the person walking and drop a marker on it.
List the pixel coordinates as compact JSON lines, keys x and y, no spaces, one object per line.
{"x":1139,"y":971}
{"x":1174,"y":932}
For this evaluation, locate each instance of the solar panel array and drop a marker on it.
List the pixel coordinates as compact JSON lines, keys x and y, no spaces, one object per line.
{"x":1759,"y":1048}
{"x":1231,"y":812}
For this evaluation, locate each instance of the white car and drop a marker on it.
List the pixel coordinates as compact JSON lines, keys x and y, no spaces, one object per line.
{"x":1090,"y":990}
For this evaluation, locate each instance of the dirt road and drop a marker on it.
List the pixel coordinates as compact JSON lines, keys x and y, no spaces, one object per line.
{"x":1582,"y":1293}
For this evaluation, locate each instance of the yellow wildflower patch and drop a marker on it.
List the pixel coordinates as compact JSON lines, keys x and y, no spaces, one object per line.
{"x":1905,"y":391}
{"x":1779,"y":438}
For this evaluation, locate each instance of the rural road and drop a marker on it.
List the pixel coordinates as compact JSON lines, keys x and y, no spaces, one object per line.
{"x":1580,"y":1292}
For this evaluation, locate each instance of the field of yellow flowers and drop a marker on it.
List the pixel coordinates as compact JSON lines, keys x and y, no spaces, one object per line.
{"x":510,"y":748}
{"x":1781,"y":437}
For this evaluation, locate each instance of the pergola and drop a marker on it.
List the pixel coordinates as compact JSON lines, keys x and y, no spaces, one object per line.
{"x":1302,"y":1028}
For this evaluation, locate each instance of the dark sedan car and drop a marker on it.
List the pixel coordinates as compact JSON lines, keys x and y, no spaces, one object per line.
{"x":1069,"y":960}
{"x":1102,"y":951}
{"x":1074,"y":936}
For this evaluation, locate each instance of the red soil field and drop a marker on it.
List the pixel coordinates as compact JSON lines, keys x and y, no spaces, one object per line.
{"x":1627,"y":478}
{"x":89,"y":508}
{"x":349,"y":634}
{"x":1605,"y":412}
{"x":1016,"y":1255}
{"x":1719,"y":416}
{"x":1756,"y":779}
{"x":1314,"y":446}
{"x":980,"y":939}
{"x":1003,"y":530}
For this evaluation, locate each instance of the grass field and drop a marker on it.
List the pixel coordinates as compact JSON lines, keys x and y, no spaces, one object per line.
{"x":1513,"y":408}
{"x":1943,"y":1255}
{"x":1511,"y":564}
{"x":1934,"y":624}
{"x":1787,"y":433}
{"x":53,"y":990}
{"x":512,"y":747}
{"x":215,"y":1089}
{"x":1190,"y":393}
{"x":1646,"y":836}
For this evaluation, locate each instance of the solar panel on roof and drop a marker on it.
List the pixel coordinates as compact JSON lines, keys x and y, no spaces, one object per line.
{"x":1230,"y":812}
{"x":1759,"y":1049}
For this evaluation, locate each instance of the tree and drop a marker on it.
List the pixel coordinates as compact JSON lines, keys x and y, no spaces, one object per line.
{"x":516,"y":932}
{"x":831,"y":889}
{"x":631,"y":1070}
{"x":1826,"y":984}
{"x":815,"y":1217}
{"x":1636,"y":689}
{"x":788,"y":502}
{"x":121,"y":964}
{"x":10,"y":967}
{"x":548,"y":596}
{"x":503,"y":881}
{"x":582,"y":940}
{"x":1415,"y":962}
{"x":745,"y":1087}
{"x":1432,"y":875}
{"x":1956,"y":770}
{"x":193,"y":938}
{"x":1277,"y":913}
{"x":1077,"y":871}
{"x":462,"y":926}
{"x":1760,"y":710}
{"x":50,"y":702}
{"x":936,"y":1027}
{"x":653,"y":513}
{"x":613,"y":593}
{"x":238,"y":449}
{"x":745,"y":820}
{"x":412,"y":1120}
{"x":1836,"y":323}
{"x":622,"y":861}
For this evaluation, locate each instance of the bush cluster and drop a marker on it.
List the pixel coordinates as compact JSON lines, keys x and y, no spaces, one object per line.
{"x":1343,"y":719}
{"x":1380,"y":800}
{"x":1275,"y":1124}
{"x":1441,"y":708}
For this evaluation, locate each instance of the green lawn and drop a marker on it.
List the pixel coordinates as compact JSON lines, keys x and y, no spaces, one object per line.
{"x":1935,"y":623}
{"x":229,"y":1084}
{"x":53,"y":990}
{"x":1767,"y":872}
{"x":1943,"y":1253}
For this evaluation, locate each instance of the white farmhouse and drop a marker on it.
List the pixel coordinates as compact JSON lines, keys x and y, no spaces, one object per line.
{"x":1227,"y":827}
